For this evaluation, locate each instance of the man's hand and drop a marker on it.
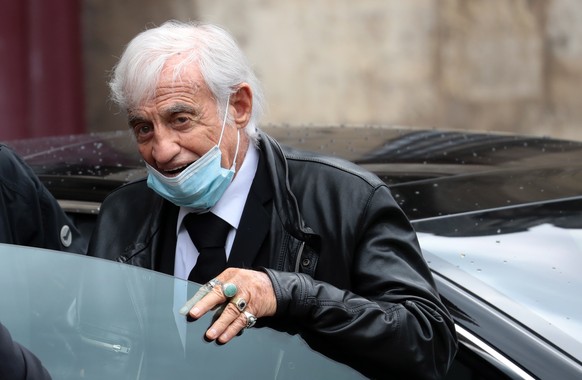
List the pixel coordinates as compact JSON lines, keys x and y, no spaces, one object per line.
{"x":254,"y":295}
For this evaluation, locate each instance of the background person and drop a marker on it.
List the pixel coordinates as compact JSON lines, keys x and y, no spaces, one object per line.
{"x":17,"y":362}
{"x":29,"y":214}
{"x":314,"y":245}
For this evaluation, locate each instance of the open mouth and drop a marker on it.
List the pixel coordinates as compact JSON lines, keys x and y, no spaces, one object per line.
{"x":176,"y":171}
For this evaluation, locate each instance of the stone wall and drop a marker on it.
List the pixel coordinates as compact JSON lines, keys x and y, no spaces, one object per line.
{"x":499,"y":65}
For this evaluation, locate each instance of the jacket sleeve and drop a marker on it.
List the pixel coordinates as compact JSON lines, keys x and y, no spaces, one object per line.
{"x":18,"y":363}
{"x":30,"y":215}
{"x":388,"y":321}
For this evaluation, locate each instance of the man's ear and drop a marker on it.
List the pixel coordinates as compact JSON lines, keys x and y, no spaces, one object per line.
{"x":242,"y":102}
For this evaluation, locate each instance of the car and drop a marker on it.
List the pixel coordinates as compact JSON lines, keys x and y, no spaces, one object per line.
{"x":496,"y":214}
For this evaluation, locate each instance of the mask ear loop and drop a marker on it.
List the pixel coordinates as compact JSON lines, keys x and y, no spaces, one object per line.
{"x":237,"y":134}
{"x":236,"y":151}
{"x":224,"y":120}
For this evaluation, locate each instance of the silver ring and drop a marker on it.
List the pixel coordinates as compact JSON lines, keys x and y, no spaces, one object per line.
{"x":212,"y":283}
{"x":240,"y":303}
{"x":201,"y":293}
{"x":251,"y":319}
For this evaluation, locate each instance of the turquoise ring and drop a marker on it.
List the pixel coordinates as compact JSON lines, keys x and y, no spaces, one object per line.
{"x":229,"y":289}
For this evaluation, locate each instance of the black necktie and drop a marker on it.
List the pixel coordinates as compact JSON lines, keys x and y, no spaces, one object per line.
{"x":208,"y":233}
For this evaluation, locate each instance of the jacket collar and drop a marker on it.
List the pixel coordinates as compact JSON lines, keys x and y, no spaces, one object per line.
{"x":285,"y":202}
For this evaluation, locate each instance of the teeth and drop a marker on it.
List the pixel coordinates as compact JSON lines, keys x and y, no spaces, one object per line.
{"x":177,"y":170}
{"x":173,"y":171}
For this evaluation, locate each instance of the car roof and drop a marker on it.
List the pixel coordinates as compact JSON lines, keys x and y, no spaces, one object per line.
{"x":431,"y":173}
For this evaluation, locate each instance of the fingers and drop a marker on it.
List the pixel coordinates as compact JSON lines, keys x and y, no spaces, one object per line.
{"x":229,"y":320}
{"x":201,"y":293}
{"x":204,"y":301}
{"x":230,"y":323}
{"x":243,"y":295}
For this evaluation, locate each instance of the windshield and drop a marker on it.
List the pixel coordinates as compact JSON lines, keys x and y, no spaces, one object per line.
{"x":525,"y":261}
{"x":95,"y":319}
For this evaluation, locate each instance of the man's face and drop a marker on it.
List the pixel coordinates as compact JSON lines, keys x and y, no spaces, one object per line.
{"x":180,"y":124}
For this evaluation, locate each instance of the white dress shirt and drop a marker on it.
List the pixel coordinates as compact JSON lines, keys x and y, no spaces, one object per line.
{"x":229,"y":207}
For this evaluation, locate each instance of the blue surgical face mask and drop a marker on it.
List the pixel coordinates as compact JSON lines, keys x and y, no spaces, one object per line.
{"x":201,"y":184}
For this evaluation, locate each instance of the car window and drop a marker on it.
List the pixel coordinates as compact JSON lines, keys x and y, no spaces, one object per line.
{"x":468,"y":366}
{"x":90,"y":318}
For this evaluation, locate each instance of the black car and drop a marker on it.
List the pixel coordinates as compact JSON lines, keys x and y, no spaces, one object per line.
{"x":497,"y":216}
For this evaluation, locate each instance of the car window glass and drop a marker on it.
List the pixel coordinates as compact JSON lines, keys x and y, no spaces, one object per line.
{"x":89,"y":318}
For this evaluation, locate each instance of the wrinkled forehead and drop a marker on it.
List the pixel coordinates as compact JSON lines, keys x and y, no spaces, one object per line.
{"x":176,"y":74}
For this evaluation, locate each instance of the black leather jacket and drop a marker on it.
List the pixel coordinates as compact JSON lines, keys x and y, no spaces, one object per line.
{"x":29,"y":214}
{"x":344,"y":262}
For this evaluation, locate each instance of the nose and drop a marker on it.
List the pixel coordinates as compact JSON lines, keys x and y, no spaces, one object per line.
{"x":165,"y":146}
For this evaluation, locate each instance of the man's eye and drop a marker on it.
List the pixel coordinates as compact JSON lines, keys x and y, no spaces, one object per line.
{"x":142,"y":129}
{"x":181,"y":120}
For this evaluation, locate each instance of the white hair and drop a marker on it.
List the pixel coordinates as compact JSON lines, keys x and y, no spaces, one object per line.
{"x":221,"y":62}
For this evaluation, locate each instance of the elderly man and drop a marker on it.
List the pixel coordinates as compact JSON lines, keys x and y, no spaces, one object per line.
{"x":313,"y":245}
